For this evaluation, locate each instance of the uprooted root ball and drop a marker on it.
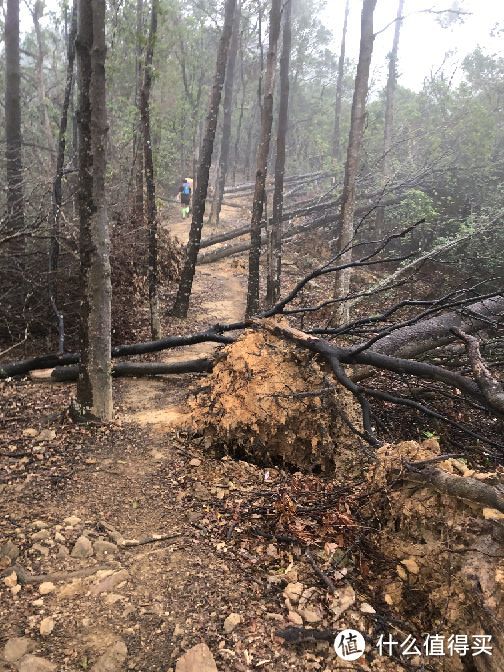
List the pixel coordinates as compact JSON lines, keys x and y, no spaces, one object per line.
{"x":275,"y":403}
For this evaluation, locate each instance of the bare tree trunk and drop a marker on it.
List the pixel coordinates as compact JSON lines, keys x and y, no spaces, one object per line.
{"x":94,"y":387}
{"x":275,"y":241}
{"x":57,"y":195}
{"x":240,"y":117}
{"x":226,"y":121}
{"x":184,"y":291}
{"x":152,"y":220}
{"x":138,"y":208}
{"x":14,"y":171}
{"x":389,"y":113}
{"x":262,"y":161}
{"x":346,"y":232}
{"x":37,"y":13}
{"x":339,"y":90}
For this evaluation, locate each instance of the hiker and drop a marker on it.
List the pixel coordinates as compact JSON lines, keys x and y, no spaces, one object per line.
{"x":185,"y":192}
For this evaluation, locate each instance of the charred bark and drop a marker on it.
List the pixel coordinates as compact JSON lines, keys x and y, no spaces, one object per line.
{"x":346,"y":231}
{"x":262,"y":162}
{"x":57,"y":192}
{"x":275,"y":240}
{"x":199,"y":198}
{"x":226,"y":120}
{"x":152,"y":218}
{"x":94,"y":386}
{"x":339,"y":90}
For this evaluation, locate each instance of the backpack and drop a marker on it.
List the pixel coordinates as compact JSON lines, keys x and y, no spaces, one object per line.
{"x":186,"y":189}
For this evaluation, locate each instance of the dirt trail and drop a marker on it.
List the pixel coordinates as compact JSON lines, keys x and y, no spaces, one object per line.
{"x":218,"y":296}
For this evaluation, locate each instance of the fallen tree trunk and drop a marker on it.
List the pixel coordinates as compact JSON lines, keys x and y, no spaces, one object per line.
{"x":51,"y":361}
{"x":318,"y":223}
{"x":429,"y":334}
{"x":62,"y":374}
{"x":249,"y":186}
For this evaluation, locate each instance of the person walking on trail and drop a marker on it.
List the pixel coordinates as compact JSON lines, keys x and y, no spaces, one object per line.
{"x":185,"y":192}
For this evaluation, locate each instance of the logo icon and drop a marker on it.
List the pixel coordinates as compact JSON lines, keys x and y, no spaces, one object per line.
{"x":349,"y":644}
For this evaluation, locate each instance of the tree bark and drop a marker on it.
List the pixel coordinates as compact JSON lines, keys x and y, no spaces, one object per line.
{"x":262,"y":161}
{"x":275,"y":240}
{"x":389,"y":113}
{"x":57,"y":192}
{"x":339,"y":90}
{"x":94,"y":386}
{"x":37,"y":13}
{"x":236,"y":151}
{"x":138,"y":158}
{"x":152,"y":219}
{"x":226,"y":121}
{"x":199,"y":197}
{"x":14,"y":165}
{"x":345,"y":235}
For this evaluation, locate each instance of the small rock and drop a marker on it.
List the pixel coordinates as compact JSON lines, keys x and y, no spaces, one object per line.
{"x":113,"y":659}
{"x":39,"y":602}
{"x":15,"y":589}
{"x":40,"y":535}
{"x":411,"y":565}
{"x":195,"y":462}
{"x":311,"y":615}
{"x":46,"y":435}
{"x":110,"y":582}
{"x":72,"y":521}
{"x":39,"y":524}
{"x":9,"y":550}
{"x":231,"y":622}
{"x":46,"y":588}
{"x":59,"y":538}
{"x":402,"y":572}
{"x":83,"y":548}
{"x":10,"y":580}
{"x":157,"y":455}
{"x":46,"y":626}
{"x":30,"y":432}
{"x":43,"y":550}
{"x":293,"y":592}
{"x":367,"y":608}
{"x":104,"y":549}
{"x":17,"y":647}
{"x":197,"y":659}
{"x":295,"y":618}
{"x":31,"y":663}
{"x":178,"y":630}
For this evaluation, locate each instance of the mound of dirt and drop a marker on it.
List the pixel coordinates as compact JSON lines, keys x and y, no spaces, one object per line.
{"x":449,"y":554}
{"x":275,"y":403}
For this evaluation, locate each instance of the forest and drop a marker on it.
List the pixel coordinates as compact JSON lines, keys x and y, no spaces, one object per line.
{"x":251,"y":336}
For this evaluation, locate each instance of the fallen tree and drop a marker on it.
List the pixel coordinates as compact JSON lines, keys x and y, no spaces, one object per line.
{"x":62,"y":374}
{"x":318,"y":223}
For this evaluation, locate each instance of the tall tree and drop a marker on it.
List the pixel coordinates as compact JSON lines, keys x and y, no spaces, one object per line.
{"x":275,"y":233}
{"x":138,"y":157}
{"x":262,"y":161}
{"x":226,"y":120}
{"x":14,"y":168}
{"x":388,"y":128}
{"x":345,"y":235}
{"x":94,"y":386}
{"x":57,"y":192}
{"x":181,"y":305}
{"x":339,"y":90}
{"x":152,"y":219}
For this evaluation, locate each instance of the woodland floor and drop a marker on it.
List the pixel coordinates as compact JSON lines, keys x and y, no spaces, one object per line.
{"x":142,"y":476}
